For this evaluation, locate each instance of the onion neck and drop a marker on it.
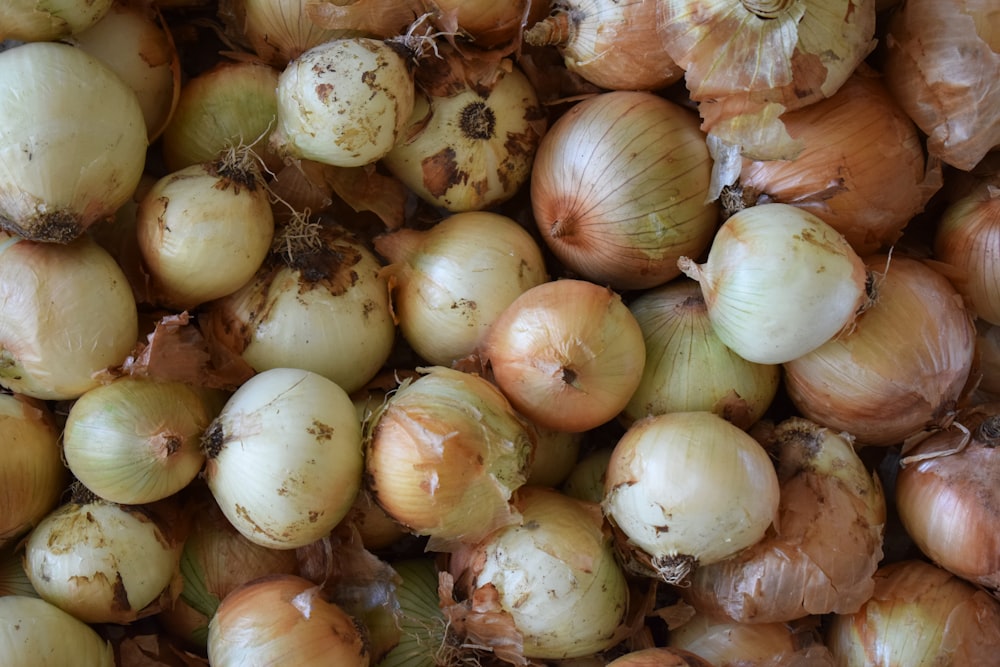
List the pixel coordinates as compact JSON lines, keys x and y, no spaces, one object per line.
{"x":767,"y":9}
{"x":988,"y":432}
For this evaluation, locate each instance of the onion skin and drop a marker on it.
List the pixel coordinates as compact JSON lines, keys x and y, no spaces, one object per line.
{"x":660,"y":657}
{"x":49,"y":20}
{"x":37,"y":633}
{"x":619,"y":188}
{"x":727,"y":643}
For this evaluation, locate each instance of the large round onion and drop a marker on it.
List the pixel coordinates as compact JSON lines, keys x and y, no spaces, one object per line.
{"x":37,"y":633}
{"x":619,"y":189}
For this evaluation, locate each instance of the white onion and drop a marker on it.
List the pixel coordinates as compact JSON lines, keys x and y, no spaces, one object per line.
{"x":36,"y":633}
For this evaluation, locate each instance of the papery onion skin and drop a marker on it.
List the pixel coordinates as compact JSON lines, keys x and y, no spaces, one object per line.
{"x":942,"y":63}
{"x":660,"y":657}
{"x":37,"y":633}
{"x":284,"y":619}
{"x":959,"y":624}
{"x":619,"y":188}
{"x":72,"y":144}
{"x":568,"y":354}
{"x":49,"y":20}
{"x":488,"y":24}
{"x":902,"y":366}
{"x":68,"y":313}
{"x":685,"y":489}
{"x":826,"y":543}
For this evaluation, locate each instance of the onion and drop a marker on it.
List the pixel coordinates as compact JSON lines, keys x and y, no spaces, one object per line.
{"x":284,"y":457}
{"x":900,"y":369}
{"x":48,"y":20}
{"x":946,"y":493}
{"x":280,"y":619}
{"x":552,"y":579}
{"x":424,"y":637}
{"x":487,"y":24}
{"x":318,"y":302}
{"x":660,"y":656}
{"x":32,"y":474}
{"x":942,"y":63}
{"x":377,"y":530}
{"x":619,"y":188}
{"x":825,"y":545}
{"x":614,"y":45}
{"x":13,"y":580}
{"x":555,"y":456}
{"x":470,"y":146}
{"x":35,"y":632}
{"x":445,"y":454}
{"x":746,"y":62}
{"x":68,"y":313}
{"x":137,"y":440}
{"x":861,"y":169}
{"x":568,"y":354}
{"x":688,"y":368}
{"x":967,"y":237}
{"x":103,"y":562}
{"x":687,"y":489}
{"x":451,"y":281}
{"x":586,"y":480}
{"x":918,"y":616}
{"x":778,"y":283}
{"x":72,"y":144}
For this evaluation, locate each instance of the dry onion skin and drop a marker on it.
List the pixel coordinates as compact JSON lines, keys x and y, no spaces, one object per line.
{"x":282,"y":619}
{"x":747,"y":62}
{"x":451,"y":281}
{"x":686,"y":489}
{"x":487,"y":24}
{"x":900,"y":369}
{"x":825,"y":545}
{"x":619,"y":189}
{"x":660,"y":656}
{"x":37,"y":633}
{"x":778,"y":282}
{"x":942,"y":63}
{"x":48,"y":20}
{"x":958,"y":623}
{"x":567,"y":353}
{"x":688,"y":367}
{"x":861,"y":169}
{"x":72,"y":144}
{"x":68,"y":313}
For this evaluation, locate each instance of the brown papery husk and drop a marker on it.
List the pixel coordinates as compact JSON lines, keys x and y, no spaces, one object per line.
{"x":947,"y":492}
{"x":901,"y":369}
{"x":821,"y":552}
{"x":942,"y":63}
{"x":861,"y":170}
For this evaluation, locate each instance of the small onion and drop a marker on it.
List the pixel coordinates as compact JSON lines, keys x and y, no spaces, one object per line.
{"x":779,"y":282}
{"x":445,"y":453}
{"x":555,"y":456}
{"x":72,"y":142}
{"x":586,"y":480}
{"x":47,"y":20}
{"x":688,"y":367}
{"x":919,"y":616}
{"x":284,"y":619}
{"x":619,"y":188}
{"x":568,"y":354}
{"x":32,"y":474}
{"x":13,"y":579}
{"x":900,"y":369}
{"x":451,"y":281}
{"x":284,"y":457}
{"x":486,"y":23}
{"x":68,"y":313}
{"x":660,"y":656}
{"x":686,"y":489}
{"x":37,"y":633}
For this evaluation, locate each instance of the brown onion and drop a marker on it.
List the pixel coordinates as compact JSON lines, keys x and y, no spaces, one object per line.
{"x":488,"y":24}
{"x":660,"y":656}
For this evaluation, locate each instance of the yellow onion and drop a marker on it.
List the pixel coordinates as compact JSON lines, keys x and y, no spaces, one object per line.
{"x":284,"y":457}
{"x":103,"y":562}
{"x":284,"y":619}
{"x":687,"y":489}
{"x":425,"y":640}
{"x":205,"y":230}
{"x":470,"y":146}
{"x":688,"y":367}
{"x":746,"y":62}
{"x":555,"y":456}
{"x":586,"y":480}
{"x":861,"y":169}
{"x":619,"y":188}
{"x":551,"y":579}
{"x":778,"y":283}
{"x":13,"y":579}
{"x":919,"y":616}
{"x":567,"y":353}
{"x":72,"y":142}
{"x":68,"y":314}
{"x":614,"y":45}
{"x":946,"y":494}
{"x":660,"y":656}
{"x":451,"y":281}
{"x":485,"y":23}
{"x":37,"y":633}
{"x":942,"y":63}
{"x":45,"y":20}
{"x":444,"y":455}
{"x":824,"y":547}
{"x":967,"y":237}
{"x":902,"y":366}
{"x":318,"y":302}
{"x":32,"y":474}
